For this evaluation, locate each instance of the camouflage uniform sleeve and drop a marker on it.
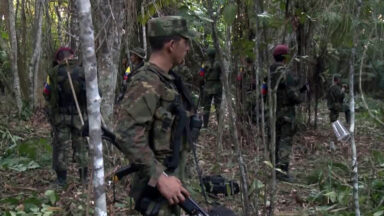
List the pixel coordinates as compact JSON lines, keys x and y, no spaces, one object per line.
{"x":134,"y":122}
{"x":292,"y":92}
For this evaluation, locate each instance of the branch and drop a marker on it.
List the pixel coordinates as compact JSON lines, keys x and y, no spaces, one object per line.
{"x":361,"y":88}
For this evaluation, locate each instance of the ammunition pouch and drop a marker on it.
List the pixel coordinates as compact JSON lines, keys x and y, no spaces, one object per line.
{"x":195,"y":126}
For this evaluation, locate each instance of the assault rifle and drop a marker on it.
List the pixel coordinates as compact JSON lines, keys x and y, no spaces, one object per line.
{"x":189,"y":205}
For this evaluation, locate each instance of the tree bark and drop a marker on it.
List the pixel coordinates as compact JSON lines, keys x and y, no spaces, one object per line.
{"x":93,"y":104}
{"x":59,"y":20}
{"x":13,"y":56}
{"x":74,"y":28}
{"x":144,"y":29}
{"x":111,"y":19}
{"x":355,"y":175}
{"x":33,"y":68}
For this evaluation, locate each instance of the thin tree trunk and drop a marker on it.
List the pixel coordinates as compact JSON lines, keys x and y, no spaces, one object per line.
{"x":93,"y":104}
{"x":59,"y":20}
{"x":232,"y":114}
{"x":74,"y":28}
{"x":13,"y":56}
{"x":272,"y":130}
{"x":33,"y":68}
{"x":259,"y":99}
{"x":109,"y":53}
{"x":143,"y":28}
{"x":355,"y":175}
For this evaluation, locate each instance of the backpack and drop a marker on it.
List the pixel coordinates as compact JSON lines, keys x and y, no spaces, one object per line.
{"x":64,"y":99}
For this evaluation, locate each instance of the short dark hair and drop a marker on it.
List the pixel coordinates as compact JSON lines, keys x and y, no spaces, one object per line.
{"x":157,"y":43}
{"x":279,"y":58}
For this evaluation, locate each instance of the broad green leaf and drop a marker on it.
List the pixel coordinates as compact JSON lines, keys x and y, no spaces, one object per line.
{"x":4,"y":35}
{"x":256,"y":184}
{"x":379,"y":213}
{"x":52,"y":196}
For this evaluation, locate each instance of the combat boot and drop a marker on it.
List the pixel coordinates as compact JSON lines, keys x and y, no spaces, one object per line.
{"x":61,"y":178}
{"x":205,"y":120}
{"x":83,"y":173}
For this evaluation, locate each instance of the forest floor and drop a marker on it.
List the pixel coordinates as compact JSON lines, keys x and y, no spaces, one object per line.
{"x":321,"y":172}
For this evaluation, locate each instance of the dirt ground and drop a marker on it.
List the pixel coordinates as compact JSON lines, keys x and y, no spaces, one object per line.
{"x":311,"y":149}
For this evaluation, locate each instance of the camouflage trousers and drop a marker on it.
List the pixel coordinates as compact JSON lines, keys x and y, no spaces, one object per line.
{"x":206,"y":103}
{"x":67,"y":136}
{"x":334,"y":114}
{"x":140,"y":182}
{"x":284,"y":135}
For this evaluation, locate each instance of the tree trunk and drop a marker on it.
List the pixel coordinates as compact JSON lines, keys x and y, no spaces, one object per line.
{"x":355,"y":175}
{"x":144,"y":30}
{"x":93,"y":104}
{"x":74,"y":28}
{"x":111,"y":19}
{"x":232,"y":115}
{"x":13,"y":56}
{"x":59,"y":20}
{"x":33,"y":68}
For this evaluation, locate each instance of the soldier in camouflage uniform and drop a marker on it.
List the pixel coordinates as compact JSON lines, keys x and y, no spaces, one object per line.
{"x":212,"y":86}
{"x":183,"y":71}
{"x":336,"y":100}
{"x":64,"y":117}
{"x":249,"y":86}
{"x":148,"y":121}
{"x":137,"y":56}
{"x":288,"y":96}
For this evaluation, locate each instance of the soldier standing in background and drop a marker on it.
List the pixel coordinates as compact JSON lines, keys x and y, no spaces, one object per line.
{"x":64,"y":117}
{"x":336,"y":100}
{"x":288,"y":96}
{"x":137,"y":56}
{"x":212,"y":86}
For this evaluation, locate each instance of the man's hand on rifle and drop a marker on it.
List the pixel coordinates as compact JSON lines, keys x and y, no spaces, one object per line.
{"x":171,"y":189}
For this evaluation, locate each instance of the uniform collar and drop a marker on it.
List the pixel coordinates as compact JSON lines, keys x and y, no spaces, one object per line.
{"x":161,"y":72}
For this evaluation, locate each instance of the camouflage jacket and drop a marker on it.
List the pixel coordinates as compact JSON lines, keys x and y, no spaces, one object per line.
{"x":212,"y":77}
{"x":145,"y":122}
{"x":335,"y":98}
{"x":184,"y":72}
{"x":287,"y":93}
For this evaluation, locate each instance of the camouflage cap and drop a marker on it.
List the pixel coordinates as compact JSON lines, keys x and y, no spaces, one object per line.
{"x":138,"y":51}
{"x":169,"y":26}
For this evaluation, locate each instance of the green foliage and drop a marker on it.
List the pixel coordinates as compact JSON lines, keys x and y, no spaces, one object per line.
{"x":229,"y":13}
{"x":22,"y":156}
{"x":32,"y":205}
{"x":334,"y":193}
{"x":7,"y":138}
{"x":18,"y":163}
{"x":26,"y":111}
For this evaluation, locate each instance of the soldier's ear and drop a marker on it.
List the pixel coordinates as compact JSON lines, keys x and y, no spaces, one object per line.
{"x":169,"y":46}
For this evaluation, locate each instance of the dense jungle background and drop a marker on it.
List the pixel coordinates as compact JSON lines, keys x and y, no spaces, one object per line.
{"x":325,"y":37}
